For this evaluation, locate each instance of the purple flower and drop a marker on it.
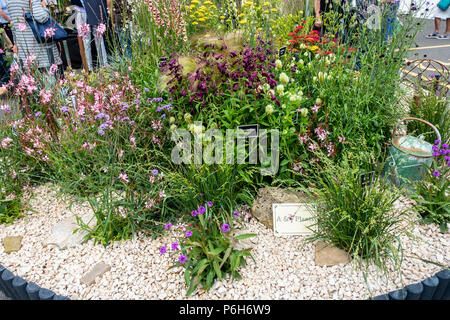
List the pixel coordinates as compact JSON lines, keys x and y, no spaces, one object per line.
{"x":194,"y":213}
{"x":436,"y":173}
{"x":445,"y":146}
{"x":188,"y":233}
{"x":175,"y":246}
{"x":447,"y":158}
{"x":182,"y":259}
{"x":64,"y":109}
{"x":236,"y":214}
{"x":436,"y":154}
{"x":435,"y":148}
{"x":209,"y":203}
{"x":225,"y":227}
{"x":154,"y":172}
{"x":101,"y":132}
{"x":162,"y":250}
{"x":437,"y":141}
{"x":201,"y":209}
{"x":167,"y":226}
{"x":147,"y":89}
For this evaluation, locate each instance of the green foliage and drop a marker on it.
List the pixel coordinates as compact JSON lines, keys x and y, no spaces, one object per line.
{"x":434,"y":109}
{"x":210,"y":252}
{"x":432,"y":193}
{"x":358,"y":219}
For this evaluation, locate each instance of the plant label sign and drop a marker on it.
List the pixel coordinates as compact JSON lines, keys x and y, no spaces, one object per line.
{"x":367,"y":178}
{"x":282,"y":51}
{"x":292,"y":219}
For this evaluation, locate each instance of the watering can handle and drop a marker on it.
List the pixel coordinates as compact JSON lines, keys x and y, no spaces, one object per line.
{"x":417,"y":119}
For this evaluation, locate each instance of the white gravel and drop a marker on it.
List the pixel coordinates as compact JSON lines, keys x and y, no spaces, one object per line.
{"x":283,"y":270}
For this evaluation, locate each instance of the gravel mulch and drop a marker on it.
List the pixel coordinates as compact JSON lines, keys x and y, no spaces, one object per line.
{"x":284,"y":268}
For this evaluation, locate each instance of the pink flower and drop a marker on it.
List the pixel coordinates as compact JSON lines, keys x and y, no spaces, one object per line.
{"x":101,"y":29}
{"x":124,"y":177}
{"x":22,"y":26}
{"x":6,"y":142}
{"x":341,"y":139}
{"x":83,"y":30}
{"x":49,"y":32}
{"x":53,"y":69}
{"x":315,"y":108}
{"x":312,"y":146}
{"x":303,"y":138}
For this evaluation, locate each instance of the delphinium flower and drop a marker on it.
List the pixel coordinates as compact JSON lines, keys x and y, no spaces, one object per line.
{"x":225,"y":227}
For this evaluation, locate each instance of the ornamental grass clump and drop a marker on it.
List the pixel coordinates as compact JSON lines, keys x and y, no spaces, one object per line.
{"x":359,"y":219}
{"x":206,"y":249}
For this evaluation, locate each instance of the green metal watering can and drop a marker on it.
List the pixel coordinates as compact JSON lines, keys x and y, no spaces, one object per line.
{"x":408,"y":157}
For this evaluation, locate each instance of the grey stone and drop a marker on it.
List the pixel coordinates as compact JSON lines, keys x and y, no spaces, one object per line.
{"x":98,"y":270}
{"x":67,"y":233}
{"x":12,"y":244}
{"x":327,"y":255}
{"x":262,"y":205}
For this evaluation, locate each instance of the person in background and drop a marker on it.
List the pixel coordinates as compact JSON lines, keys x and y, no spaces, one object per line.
{"x":97,"y":18}
{"x":25,"y":42}
{"x":438,"y":16}
{"x":5,"y":20}
{"x":120,"y":16}
{"x":80,"y":21}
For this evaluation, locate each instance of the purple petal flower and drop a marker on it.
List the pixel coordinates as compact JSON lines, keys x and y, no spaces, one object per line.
{"x":182,"y":259}
{"x":154,"y":172}
{"x":188,"y":233}
{"x":436,"y":173}
{"x":445,"y":146}
{"x":209,"y":203}
{"x":167,"y":226}
{"x":38,"y":114}
{"x":225,"y":227}
{"x":437,"y":141}
{"x":194,"y":213}
{"x":175,"y":246}
{"x":162,"y":250}
{"x":201,"y":209}
{"x":236,"y":214}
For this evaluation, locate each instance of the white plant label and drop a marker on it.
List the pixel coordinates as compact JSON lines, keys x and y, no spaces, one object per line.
{"x":292,"y":219}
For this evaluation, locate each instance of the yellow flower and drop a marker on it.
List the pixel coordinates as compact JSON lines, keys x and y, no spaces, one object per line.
{"x":259,"y":29}
{"x":192,"y":16}
{"x":243,"y":22}
{"x":207,"y":2}
{"x":266,"y":3}
{"x":274,"y":9}
{"x":201,"y":19}
{"x":314,"y":48}
{"x":241,"y":15}
{"x":195,"y":23}
{"x":266,"y":11}
{"x":222,"y":17}
{"x":195,"y":1}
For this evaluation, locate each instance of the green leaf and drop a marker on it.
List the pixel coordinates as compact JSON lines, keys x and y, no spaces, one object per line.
{"x":194,"y":285}
{"x":217,"y":269}
{"x":187,"y":277}
{"x":225,"y":257}
{"x":210,"y":278}
{"x":245,"y":236}
{"x":199,"y":265}
{"x":216,"y":251}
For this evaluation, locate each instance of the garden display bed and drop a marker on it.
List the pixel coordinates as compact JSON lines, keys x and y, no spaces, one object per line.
{"x":284,"y":269}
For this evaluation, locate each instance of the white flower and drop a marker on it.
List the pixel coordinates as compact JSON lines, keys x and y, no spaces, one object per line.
{"x":173,"y":127}
{"x":269,"y":109}
{"x":172,"y":120}
{"x":314,"y":79}
{"x":301,"y":62}
{"x":278,"y":64}
{"x":284,"y":78}
{"x":304,"y":112}
{"x":266,"y":87}
{"x":303,"y":46}
{"x":280,"y":89}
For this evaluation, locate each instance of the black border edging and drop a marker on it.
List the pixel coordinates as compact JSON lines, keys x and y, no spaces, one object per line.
{"x":17,"y":288}
{"x":436,"y":287}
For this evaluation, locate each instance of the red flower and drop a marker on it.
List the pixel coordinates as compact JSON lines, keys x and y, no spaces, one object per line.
{"x":330,"y":52}
{"x":315,"y":31}
{"x":351,"y":49}
{"x":292,"y":34}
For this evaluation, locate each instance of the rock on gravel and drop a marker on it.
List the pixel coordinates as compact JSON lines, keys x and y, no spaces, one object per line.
{"x":12,"y":243}
{"x":284,"y":268}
